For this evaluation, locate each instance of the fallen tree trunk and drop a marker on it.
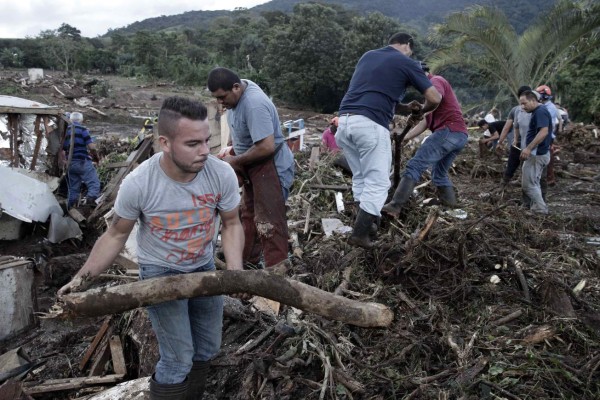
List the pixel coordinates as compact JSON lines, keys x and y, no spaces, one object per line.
{"x":117,"y":299}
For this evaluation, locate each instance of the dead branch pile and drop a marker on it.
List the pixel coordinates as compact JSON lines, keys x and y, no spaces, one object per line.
{"x":489,"y":301}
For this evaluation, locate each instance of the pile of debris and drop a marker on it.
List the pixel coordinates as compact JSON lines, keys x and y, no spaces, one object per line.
{"x":488,"y":301}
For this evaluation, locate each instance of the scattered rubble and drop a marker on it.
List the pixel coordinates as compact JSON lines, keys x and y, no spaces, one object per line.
{"x":488,"y":300}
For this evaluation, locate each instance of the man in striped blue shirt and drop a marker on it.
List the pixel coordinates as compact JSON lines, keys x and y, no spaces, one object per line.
{"x":80,"y":168}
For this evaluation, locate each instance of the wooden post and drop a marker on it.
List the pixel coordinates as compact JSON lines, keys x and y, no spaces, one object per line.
{"x":13,"y":129}
{"x":38,"y":142}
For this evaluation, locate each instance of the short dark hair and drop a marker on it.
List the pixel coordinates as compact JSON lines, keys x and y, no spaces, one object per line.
{"x":523,"y":89}
{"x":530,"y":95}
{"x":402,"y":38}
{"x":482,"y":122}
{"x":222,"y":78}
{"x":174,"y":108}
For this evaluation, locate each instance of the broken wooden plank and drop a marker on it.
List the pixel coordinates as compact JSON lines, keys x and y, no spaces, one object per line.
{"x":117,"y":299}
{"x":97,"y":111}
{"x":314,"y":157}
{"x":251,"y":344}
{"x":58,"y":90}
{"x":102,"y":357}
{"x":329,"y":187}
{"x":510,"y":317}
{"x":118,"y":358}
{"x":55,"y":385}
{"x":121,"y":164}
{"x":76,"y":215}
{"x":95,"y":342}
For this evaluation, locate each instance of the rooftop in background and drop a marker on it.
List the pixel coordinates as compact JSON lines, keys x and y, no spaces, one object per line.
{"x":17,"y":105}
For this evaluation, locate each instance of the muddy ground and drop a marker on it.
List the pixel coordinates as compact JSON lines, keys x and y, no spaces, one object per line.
{"x":456,"y":335}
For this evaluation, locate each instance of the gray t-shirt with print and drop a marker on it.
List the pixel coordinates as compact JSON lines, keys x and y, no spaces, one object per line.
{"x":255,"y":118}
{"x":176,"y":220}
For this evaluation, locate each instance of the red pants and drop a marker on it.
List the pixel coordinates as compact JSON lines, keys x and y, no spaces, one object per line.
{"x":263,"y":215}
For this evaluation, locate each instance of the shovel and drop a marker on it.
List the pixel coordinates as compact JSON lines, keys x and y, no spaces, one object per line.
{"x":398,"y":138}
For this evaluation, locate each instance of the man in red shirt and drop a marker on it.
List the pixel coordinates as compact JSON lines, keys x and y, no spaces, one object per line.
{"x":437,"y":152}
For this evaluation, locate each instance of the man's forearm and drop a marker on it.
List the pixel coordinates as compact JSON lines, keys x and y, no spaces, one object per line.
{"x":429,"y":106}
{"x":416,"y":130}
{"x":505,"y":130}
{"x":432,"y":100}
{"x":232,"y":237}
{"x":259,"y":151}
{"x":252,"y":155}
{"x":102,"y":255}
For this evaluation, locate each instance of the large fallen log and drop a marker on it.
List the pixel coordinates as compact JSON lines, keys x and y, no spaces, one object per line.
{"x":117,"y":299}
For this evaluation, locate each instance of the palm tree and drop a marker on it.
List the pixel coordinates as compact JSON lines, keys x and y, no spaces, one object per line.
{"x":483,"y":38}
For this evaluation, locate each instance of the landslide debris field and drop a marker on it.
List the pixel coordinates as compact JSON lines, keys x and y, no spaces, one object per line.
{"x":489,"y":301}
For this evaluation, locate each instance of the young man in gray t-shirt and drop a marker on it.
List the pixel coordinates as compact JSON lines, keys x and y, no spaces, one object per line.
{"x":174,"y":196}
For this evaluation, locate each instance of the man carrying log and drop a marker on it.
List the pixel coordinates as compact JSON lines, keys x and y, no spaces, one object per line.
{"x":175,"y":196}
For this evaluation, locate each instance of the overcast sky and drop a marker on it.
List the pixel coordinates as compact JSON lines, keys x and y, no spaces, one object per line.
{"x":22,"y":18}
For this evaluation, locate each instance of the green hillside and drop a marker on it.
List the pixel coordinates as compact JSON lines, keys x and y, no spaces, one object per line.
{"x":419,"y":14}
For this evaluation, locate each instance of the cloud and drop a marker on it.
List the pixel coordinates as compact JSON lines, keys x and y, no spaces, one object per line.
{"x":94,"y":18}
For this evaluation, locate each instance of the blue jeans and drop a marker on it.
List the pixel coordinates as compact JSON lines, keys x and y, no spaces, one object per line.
{"x":82,"y":171}
{"x":438,"y":152}
{"x":187,"y":330}
{"x":368,"y":150}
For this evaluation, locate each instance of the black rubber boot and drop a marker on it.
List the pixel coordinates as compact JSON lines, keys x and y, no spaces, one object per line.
{"x":197,"y":380}
{"x":362,"y":227}
{"x":375,"y":227}
{"x":447,"y":196}
{"x":159,"y":391}
{"x":401,"y":196}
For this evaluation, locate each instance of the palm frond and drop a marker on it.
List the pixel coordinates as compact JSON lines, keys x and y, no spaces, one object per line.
{"x":483,"y":37}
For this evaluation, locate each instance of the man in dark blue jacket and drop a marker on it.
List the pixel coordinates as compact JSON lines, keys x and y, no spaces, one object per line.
{"x":536,"y":152}
{"x":375,"y":93}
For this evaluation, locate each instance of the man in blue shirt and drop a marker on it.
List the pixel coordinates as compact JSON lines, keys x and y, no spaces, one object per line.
{"x":536,"y":153}
{"x":376,"y":89}
{"x":80,"y":168}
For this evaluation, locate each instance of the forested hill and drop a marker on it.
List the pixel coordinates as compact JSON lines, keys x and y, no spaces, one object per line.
{"x":190,"y":19}
{"x":419,"y":14}
{"x":422,"y":13}
{"x":416,"y":13}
